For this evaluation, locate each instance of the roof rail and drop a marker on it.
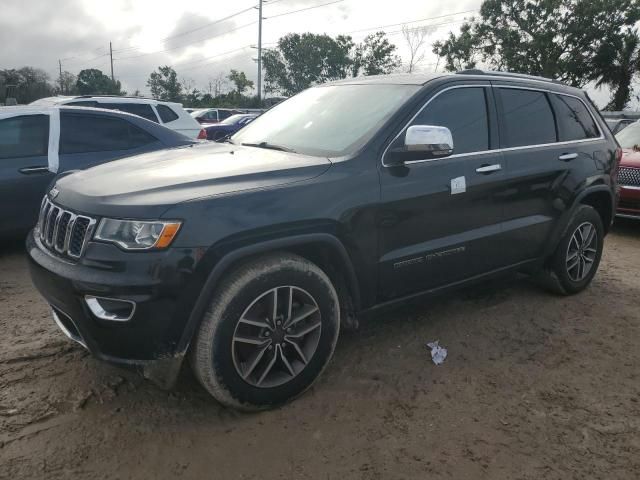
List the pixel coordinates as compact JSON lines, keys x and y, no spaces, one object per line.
{"x":113,"y":96}
{"x":498,"y":73}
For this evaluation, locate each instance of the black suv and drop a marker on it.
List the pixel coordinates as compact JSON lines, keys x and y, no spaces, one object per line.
{"x":250,"y":255}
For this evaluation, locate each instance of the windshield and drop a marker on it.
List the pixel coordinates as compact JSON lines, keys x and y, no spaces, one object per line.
{"x":327,"y":121}
{"x":630,"y":136}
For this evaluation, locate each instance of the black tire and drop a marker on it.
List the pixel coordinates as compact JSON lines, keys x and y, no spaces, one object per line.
{"x":216,"y":349}
{"x":567,"y":281}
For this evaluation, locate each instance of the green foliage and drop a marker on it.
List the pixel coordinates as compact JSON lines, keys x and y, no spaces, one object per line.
{"x":164,"y":84}
{"x":375,"y":56}
{"x":93,"y":82}
{"x":553,"y":38}
{"x":25,"y":84}
{"x":619,"y":62}
{"x":239,"y":79}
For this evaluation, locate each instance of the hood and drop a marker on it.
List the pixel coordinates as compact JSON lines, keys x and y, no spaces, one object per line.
{"x":630,"y":158}
{"x":144,"y":186}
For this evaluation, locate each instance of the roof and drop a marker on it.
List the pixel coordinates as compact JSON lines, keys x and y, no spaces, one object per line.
{"x":62,"y":99}
{"x":45,"y":109}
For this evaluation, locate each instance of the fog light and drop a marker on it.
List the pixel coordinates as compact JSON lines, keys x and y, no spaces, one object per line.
{"x":111,"y":309}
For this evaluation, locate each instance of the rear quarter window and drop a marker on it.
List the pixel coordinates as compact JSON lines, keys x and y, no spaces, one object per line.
{"x":24,"y":136}
{"x":527,"y":118}
{"x":574,"y":120}
{"x":143,"y":110}
{"x":166,"y":114}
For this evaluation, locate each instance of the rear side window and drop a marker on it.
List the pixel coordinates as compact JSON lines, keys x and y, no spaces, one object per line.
{"x":143,"y":110}
{"x":574,"y":120}
{"x":92,"y":133}
{"x":527,"y":118}
{"x":83,"y":104}
{"x":24,"y":136}
{"x":166,"y":114}
{"x":464,"y":112}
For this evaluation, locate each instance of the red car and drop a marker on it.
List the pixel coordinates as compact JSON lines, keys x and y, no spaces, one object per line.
{"x":629,"y":172}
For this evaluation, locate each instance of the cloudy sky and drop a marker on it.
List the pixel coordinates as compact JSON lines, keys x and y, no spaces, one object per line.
{"x":200,"y":39}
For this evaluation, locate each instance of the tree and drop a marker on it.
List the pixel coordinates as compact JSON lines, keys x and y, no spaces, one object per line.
{"x":93,"y":82}
{"x":217,"y":85}
{"x":415,"y":38}
{"x":619,"y":63}
{"x":302,"y":60}
{"x":27,"y":84}
{"x":240,"y":80}
{"x":375,"y":56}
{"x":164,"y":84}
{"x":67,"y":83}
{"x":552,"y":38}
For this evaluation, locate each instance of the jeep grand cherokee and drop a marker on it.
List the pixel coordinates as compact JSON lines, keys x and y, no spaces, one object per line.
{"x":247,"y":256}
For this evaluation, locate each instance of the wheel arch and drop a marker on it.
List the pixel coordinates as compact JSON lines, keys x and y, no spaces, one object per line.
{"x":323,"y":249}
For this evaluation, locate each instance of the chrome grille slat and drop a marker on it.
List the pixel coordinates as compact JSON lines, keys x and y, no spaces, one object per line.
{"x":62,"y":231}
{"x":629,"y":176}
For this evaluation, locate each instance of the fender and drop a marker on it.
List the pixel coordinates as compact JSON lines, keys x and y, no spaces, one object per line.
{"x":225,"y":262}
{"x":565,"y":218}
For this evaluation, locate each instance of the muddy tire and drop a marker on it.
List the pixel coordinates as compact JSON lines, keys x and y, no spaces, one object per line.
{"x":577,"y":257}
{"x":269,"y":332}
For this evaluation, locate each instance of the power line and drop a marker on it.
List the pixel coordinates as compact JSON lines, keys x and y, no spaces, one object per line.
{"x":302,"y":9}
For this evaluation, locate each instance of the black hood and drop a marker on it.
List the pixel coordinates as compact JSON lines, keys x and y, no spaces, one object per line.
{"x":144,"y":186}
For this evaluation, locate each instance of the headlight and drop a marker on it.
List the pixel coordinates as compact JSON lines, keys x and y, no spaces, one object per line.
{"x":137,"y":235}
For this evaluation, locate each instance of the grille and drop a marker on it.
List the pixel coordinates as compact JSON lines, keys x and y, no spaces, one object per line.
{"x":63,"y":231}
{"x":629,"y":176}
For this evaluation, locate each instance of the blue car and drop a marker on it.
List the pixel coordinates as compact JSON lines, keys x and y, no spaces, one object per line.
{"x":229,"y":126}
{"x":39,"y":143}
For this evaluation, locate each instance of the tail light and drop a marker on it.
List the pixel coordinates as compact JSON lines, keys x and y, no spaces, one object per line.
{"x":202,"y":135}
{"x":618,"y":155}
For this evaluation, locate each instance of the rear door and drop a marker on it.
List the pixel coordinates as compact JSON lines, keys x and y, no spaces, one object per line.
{"x":544,"y":135}
{"x":440,"y":219}
{"x":24,"y":170}
{"x":89,"y":139}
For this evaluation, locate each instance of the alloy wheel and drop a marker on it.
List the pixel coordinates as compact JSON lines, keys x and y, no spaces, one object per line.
{"x":582,"y":251}
{"x":276,"y":336}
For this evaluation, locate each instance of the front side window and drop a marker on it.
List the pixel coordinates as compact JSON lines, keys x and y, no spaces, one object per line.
{"x":24,"y":136}
{"x":81,"y":133}
{"x":464,"y":112}
{"x":331,"y":120}
{"x":574,"y":120}
{"x":527,"y":118}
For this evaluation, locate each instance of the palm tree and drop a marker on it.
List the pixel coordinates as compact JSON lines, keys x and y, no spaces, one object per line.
{"x":617,"y":64}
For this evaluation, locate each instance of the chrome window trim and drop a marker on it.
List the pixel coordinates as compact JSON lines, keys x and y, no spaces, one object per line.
{"x":496,"y":150}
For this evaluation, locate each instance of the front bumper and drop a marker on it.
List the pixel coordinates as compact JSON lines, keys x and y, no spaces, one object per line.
{"x":629,"y":203}
{"x":162,"y":285}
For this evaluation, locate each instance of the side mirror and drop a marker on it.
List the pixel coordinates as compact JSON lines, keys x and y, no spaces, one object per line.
{"x":422,"y":142}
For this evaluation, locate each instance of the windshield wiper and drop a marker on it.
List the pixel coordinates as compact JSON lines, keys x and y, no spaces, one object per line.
{"x":269,"y":146}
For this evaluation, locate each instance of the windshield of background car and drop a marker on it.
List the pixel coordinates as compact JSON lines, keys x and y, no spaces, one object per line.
{"x":630,"y":136}
{"x":333,"y":120}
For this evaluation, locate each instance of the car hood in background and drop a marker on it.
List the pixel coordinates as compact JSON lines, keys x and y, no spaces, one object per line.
{"x":630,"y":158}
{"x":144,"y":186}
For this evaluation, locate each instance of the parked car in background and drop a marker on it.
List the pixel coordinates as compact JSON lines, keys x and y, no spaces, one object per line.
{"x":38,"y":143}
{"x":168,"y":114}
{"x":629,"y":172}
{"x":618,"y":124}
{"x":228,"y":127}
{"x":249,"y":256}
{"x":213,"y":115}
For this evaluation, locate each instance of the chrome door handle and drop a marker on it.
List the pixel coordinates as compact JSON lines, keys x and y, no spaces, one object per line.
{"x":28,"y":170}
{"x":565,"y":157}
{"x":489,"y":168}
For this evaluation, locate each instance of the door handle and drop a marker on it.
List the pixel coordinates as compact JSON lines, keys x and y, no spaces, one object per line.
{"x":489,"y":168}
{"x":30,"y":170}
{"x":565,"y":157}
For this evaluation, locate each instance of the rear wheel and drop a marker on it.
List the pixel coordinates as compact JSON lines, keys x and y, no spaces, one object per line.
{"x":577,"y":257}
{"x":268,"y":333}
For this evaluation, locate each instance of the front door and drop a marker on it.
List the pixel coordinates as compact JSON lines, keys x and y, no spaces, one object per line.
{"x":440,"y":220}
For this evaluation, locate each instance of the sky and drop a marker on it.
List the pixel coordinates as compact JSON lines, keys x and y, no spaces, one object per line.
{"x":202,"y":39}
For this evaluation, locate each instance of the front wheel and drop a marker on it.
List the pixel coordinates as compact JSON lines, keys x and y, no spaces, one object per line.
{"x":577,"y":257}
{"x":268,"y":333}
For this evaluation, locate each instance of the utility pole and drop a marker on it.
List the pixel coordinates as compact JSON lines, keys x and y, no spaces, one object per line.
{"x":111,"y":55}
{"x":260,"y":51}
{"x":60,"y":65}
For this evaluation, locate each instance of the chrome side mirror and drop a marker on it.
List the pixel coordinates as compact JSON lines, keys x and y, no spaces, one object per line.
{"x":422,"y":142}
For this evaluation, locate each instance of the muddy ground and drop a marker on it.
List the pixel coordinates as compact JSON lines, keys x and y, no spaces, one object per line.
{"x":535,"y":387}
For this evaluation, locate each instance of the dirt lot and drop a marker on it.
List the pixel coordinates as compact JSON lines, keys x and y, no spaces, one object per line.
{"x":535,"y":386}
